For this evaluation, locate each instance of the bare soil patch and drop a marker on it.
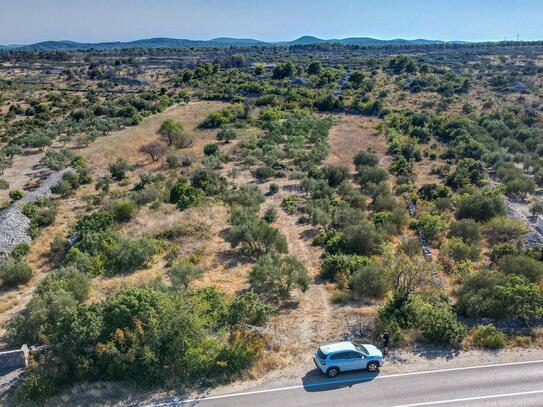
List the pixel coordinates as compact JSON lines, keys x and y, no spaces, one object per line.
{"x":352,"y":134}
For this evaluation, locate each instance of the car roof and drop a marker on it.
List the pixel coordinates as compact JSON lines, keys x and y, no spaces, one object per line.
{"x":337,"y":347}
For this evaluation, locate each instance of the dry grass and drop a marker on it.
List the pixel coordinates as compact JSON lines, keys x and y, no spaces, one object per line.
{"x":126,"y":143}
{"x":20,"y":172}
{"x":9,"y":301}
{"x":352,"y":134}
{"x":105,"y":150}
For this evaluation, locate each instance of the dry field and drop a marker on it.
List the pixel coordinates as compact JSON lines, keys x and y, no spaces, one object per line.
{"x":351,"y":134}
{"x":105,"y":150}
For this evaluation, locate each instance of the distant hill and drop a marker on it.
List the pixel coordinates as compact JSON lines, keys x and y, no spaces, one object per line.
{"x":215,"y":42}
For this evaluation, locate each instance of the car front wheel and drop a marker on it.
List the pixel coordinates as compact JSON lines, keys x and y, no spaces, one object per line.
{"x":373,"y":367}
{"x":332,"y":372}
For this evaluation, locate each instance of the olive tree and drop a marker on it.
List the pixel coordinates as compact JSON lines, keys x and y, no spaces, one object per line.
{"x":277,"y":276}
{"x":173,"y":133}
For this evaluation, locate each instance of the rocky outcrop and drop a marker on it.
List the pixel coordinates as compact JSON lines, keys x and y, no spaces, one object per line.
{"x":14,"y":225}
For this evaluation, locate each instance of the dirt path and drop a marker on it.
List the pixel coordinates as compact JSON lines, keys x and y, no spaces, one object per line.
{"x":303,"y":324}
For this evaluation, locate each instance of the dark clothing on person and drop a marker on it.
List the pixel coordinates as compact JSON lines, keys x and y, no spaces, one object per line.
{"x":386,"y":338}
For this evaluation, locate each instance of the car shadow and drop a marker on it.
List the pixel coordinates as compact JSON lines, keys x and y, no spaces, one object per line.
{"x":314,"y":381}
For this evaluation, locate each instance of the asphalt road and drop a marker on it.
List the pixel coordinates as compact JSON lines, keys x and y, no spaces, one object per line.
{"x":508,"y":384}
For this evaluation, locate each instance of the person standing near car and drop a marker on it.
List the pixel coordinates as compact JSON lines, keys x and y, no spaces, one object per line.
{"x":386,"y":338}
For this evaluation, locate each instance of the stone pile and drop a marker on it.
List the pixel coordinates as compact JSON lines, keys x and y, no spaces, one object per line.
{"x":14,"y":225}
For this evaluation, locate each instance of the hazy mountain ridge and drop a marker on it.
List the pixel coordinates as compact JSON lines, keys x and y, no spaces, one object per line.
{"x":163,"y":42}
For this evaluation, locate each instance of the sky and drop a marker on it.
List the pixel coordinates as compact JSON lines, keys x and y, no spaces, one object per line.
{"x":28,"y":21}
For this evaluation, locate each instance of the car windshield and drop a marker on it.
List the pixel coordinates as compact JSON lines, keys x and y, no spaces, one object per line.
{"x":321,"y":354}
{"x":362,"y":349}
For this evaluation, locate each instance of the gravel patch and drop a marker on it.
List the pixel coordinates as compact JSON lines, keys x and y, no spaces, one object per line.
{"x":14,"y":225}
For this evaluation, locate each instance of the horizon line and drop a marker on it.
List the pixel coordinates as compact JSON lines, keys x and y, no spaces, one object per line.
{"x":21,"y":44}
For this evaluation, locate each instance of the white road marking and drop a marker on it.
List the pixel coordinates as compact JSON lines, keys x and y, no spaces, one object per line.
{"x":358,"y":380}
{"x":494,"y":396}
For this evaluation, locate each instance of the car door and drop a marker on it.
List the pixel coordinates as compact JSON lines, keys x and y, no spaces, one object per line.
{"x":342,"y":360}
{"x":358,"y":360}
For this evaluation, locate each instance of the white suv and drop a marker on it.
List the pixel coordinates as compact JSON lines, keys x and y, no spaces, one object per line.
{"x":344,"y":356}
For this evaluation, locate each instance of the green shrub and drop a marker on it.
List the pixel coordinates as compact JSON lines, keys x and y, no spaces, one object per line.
{"x":14,"y":272}
{"x":264,"y":173}
{"x":58,"y":247}
{"x":481,"y":206}
{"x":433,"y":192}
{"x":519,"y":298}
{"x":42,"y":213}
{"x":186,"y":196}
{"x":438,"y":323}
{"x":62,"y":188}
{"x":176,"y":233}
{"x":371,"y":281}
{"x":368,"y":176}
{"x":341,"y":296}
{"x":15,"y":194}
{"x":270,"y":216}
{"x":94,"y":223}
{"x":277,"y":276}
{"x":226,"y":135}
{"x":244,"y":347}
{"x":183,"y":273}
{"x":4,"y":184}
{"x":211,"y":149}
{"x":123,"y":210}
{"x":367,"y":158}
{"x":172,"y":161}
{"x":502,"y":229}
{"x":58,"y":159}
{"x":466,"y":229}
{"x":135,"y":325}
{"x":69,"y":279}
{"x":257,"y":238}
{"x":20,"y":251}
{"x":476,"y":295}
{"x":247,"y":195}
{"x":222,"y":117}
{"x":249,"y":309}
{"x":523,"y":266}
{"x":274,"y":188}
{"x":83,"y":262}
{"x":119,"y":169}
{"x":128,"y":255}
{"x":209,"y":181}
{"x":457,"y":250}
{"x":362,"y":239}
{"x":503,"y":249}
{"x":336,"y":174}
{"x":173,"y":133}
{"x":432,"y":225}
{"x":488,"y":337}
{"x":409,"y":245}
{"x":341,"y":266}
{"x":290,"y":204}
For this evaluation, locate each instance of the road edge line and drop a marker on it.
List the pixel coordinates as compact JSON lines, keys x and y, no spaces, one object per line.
{"x":336,"y":382}
{"x":492,"y":396}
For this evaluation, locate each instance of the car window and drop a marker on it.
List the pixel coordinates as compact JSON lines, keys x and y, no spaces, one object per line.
{"x":321,"y":354}
{"x":355,"y":355}
{"x":363,"y":350}
{"x":343,"y":355}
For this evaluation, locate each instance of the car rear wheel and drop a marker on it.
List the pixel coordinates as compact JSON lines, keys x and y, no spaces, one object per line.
{"x":373,"y":367}
{"x":332,"y":372}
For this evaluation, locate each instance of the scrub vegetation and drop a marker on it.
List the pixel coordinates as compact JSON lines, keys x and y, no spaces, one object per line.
{"x":226,"y":194}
